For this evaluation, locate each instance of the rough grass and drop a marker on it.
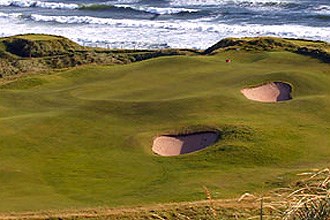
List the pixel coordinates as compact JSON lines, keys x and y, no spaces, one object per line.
{"x":37,"y":53}
{"x":309,"y":199}
{"x":38,"y":45}
{"x":224,"y":209}
{"x":306,"y":198}
{"x":316,"y":49}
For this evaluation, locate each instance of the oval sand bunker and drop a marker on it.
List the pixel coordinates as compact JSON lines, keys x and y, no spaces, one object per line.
{"x":173,"y":145}
{"x":270,"y":92}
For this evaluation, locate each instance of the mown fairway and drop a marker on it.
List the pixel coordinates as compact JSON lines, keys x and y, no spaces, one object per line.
{"x":82,"y":138}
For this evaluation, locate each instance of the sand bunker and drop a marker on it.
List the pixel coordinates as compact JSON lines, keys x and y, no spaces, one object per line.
{"x":173,"y":145}
{"x":270,"y":92}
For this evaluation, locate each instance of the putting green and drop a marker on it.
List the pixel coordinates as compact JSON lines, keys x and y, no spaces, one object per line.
{"x":83,"y":137}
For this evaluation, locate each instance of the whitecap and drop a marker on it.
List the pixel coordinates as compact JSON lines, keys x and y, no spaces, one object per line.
{"x":251,"y":3}
{"x":322,"y":9}
{"x":40,"y":4}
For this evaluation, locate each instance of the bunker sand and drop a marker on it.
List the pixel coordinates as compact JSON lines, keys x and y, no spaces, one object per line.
{"x":270,"y":92}
{"x":173,"y":145}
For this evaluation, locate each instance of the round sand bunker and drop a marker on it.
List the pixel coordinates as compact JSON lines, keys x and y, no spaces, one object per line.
{"x":270,"y":92}
{"x":173,"y":145}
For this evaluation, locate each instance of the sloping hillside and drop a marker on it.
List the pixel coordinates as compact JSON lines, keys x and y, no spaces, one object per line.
{"x":83,"y":137}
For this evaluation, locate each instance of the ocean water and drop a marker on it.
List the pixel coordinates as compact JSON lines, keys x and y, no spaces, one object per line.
{"x":165,"y":23}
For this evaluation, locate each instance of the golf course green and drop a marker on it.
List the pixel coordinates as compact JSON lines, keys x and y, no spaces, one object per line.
{"x":82,"y":137}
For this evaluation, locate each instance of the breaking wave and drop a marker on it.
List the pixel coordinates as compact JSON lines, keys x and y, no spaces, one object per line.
{"x":38,"y":4}
{"x":95,"y":7}
{"x":242,"y":3}
{"x":150,"y":10}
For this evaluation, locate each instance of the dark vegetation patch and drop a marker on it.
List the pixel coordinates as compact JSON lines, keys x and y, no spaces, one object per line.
{"x":237,"y":132}
{"x":27,"y":47}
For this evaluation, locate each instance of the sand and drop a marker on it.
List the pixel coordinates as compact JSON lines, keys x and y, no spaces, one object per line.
{"x":173,"y":145}
{"x":270,"y":92}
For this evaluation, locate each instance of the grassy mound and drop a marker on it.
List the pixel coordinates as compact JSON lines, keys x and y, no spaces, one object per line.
{"x":38,"y":45}
{"x":316,"y":49}
{"x":82,"y":137}
{"x":35,"y":53}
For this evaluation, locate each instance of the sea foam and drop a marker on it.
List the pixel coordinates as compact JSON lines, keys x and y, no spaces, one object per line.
{"x":129,"y":33}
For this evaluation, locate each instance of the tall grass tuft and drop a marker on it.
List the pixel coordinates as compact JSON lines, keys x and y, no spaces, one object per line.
{"x":309,"y":199}
{"x":213,"y":212}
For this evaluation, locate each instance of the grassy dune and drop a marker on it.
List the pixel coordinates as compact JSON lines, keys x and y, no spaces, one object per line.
{"x":38,"y":53}
{"x":82,"y":137}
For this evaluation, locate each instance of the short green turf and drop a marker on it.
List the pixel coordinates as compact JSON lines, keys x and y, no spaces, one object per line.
{"x":82,"y":137}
